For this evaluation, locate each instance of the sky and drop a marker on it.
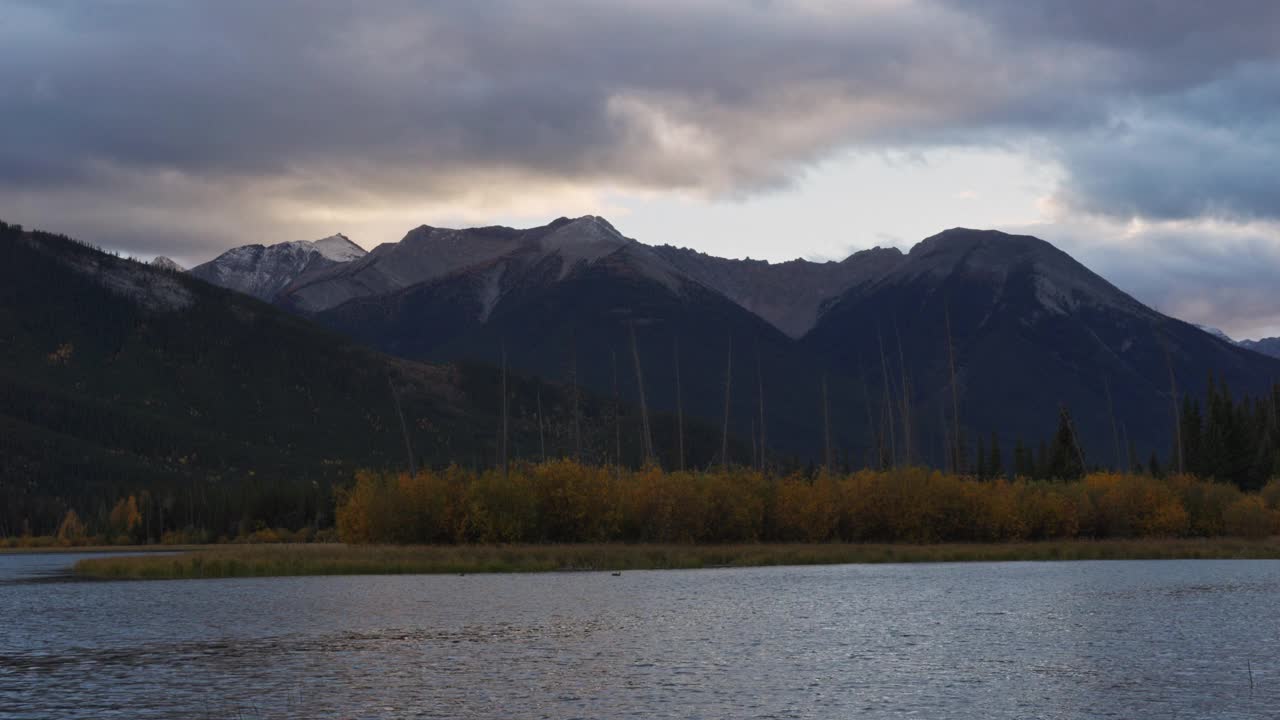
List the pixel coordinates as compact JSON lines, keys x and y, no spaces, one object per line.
{"x":1139,"y":136}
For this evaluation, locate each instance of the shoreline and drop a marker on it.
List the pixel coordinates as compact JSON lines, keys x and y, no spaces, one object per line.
{"x":97,"y":549}
{"x":233,"y":561}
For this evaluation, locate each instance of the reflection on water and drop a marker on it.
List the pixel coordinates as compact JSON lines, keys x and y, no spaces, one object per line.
{"x":1058,"y":640}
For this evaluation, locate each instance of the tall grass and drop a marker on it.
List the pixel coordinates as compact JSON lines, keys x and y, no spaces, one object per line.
{"x":226,"y":561}
{"x":566,"y":502}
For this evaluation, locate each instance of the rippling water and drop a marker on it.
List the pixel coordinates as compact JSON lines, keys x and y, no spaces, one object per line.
{"x":1164,"y":639}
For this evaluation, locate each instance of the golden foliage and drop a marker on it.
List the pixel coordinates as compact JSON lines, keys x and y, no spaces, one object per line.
{"x":71,"y":531}
{"x":125,"y":518}
{"x":562,"y":501}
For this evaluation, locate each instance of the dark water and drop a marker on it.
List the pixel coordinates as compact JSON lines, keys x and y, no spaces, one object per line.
{"x":1016,"y":640}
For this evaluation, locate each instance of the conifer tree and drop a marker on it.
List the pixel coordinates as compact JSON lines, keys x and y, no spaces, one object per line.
{"x":995,"y":466}
{"x":1066,"y":459}
{"x":1023,"y":464}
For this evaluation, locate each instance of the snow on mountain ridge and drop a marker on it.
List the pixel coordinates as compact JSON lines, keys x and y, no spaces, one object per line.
{"x":338,"y":248}
{"x":264,"y":271}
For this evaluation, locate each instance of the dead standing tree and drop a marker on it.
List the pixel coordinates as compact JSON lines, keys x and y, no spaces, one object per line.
{"x":679,"y":411}
{"x":728,"y":386}
{"x":646,"y":438}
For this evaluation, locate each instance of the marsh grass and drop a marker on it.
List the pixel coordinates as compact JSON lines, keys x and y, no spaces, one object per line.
{"x":334,"y":559}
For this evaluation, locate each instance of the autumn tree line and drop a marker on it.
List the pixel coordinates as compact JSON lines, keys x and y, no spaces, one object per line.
{"x":1218,"y":478}
{"x":562,"y":501}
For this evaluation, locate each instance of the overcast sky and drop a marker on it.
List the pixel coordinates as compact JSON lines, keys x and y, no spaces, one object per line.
{"x":1140,"y":136}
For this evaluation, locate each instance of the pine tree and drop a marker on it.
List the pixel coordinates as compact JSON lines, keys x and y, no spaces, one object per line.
{"x":981,"y":470}
{"x":1024,"y":465}
{"x":1193,"y":434}
{"x":995,"y":467}
{"x":1066,"y":459}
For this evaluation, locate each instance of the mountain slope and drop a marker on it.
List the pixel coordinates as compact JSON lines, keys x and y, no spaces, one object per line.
{"x":1266,"y":346}
{"x":130,"y":377}
{"x":789,"y":295}
{"x":576,"y":302}
{"x":428,"y":254}
{"x":1031,"y":329}
{"x":264,"y":271}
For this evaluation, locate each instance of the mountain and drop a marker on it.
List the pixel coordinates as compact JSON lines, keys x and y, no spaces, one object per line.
{"x":1266,"y":346}
{"x":1031,"y":329}
{"x":788,"y":295}
{"x":163,"y":263}
{"x":565,"y":300}
{"x":264,"y":271}
{"x":1216,"y":333}
{"x":427,"y":254}
{"x":132,"y":378}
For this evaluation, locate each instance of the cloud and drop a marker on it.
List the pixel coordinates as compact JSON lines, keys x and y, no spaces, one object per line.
{"x":1206,"y":271}
{"x":189,"y":127}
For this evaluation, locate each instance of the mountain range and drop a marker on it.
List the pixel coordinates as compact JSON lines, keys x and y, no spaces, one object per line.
{"x":968,"y":334}
{"x":117,"y":376}
{"x":1266,"y":346}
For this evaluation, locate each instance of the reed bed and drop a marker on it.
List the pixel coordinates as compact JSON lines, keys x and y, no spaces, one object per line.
{"x":336,"y":559}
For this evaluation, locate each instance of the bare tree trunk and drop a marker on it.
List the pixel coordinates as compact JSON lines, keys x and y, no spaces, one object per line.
{"x":958,"y":461}
{"x":826,"y":426}
{"x":1177,"y":411}
{"x":646,"y":439}
{"x":617,"y":419}
{"x":728,"y":386}
{"x":946,"y":439}
{"x":577,"y":410}
{"x":1075,"y":439}
{"x":404,"y":428}
{"x":1115,"y":432}
{"x":1124,"y":431}
{"x":760,"y":395}
{"x":874,"y":443}
{"x":505,"y":435}
{"x":906,"y":401}
{"x":542,"y":438}
{"x":888,"y":402}
{"x":679,"y":411}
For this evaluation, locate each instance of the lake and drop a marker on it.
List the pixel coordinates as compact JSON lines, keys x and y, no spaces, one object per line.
{"x":1159,"y":639}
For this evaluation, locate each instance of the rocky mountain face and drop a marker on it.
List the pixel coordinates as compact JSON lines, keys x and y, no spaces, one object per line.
{"x":131,"y":376}
{"x":576,"y":301}
{"x":428,"y":254}
{"x":1266,"y":346}
{"x":263,"y":271}
{"x":163,"y":263}
{"x":1030,"y":330}
{"x":789,"y":295}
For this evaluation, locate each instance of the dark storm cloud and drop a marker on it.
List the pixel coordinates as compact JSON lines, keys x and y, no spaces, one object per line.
{"x":563,"y":88}
{"x":176,"y":126}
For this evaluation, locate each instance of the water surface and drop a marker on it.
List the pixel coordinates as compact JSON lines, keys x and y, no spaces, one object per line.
{"x":1140,"y":639}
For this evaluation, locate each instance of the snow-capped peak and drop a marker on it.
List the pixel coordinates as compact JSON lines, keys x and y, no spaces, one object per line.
{"x":338,"y":248}
{"x":1216,"y":333}
{"x":164,"y":263}
{"x":264,"y":271}
{"x":586,"y":239}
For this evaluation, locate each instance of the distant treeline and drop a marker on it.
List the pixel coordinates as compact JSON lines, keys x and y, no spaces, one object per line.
{"x":1223,"y":439}
{"x":565,"y":502}
{"x":1233,"y":446}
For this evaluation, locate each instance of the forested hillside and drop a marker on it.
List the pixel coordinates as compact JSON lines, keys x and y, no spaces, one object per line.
{"x":119,"y":378}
